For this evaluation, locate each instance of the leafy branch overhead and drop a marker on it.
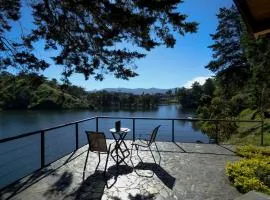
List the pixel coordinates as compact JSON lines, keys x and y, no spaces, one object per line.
{"x":12,"y":52}
{"x":92,"y":37}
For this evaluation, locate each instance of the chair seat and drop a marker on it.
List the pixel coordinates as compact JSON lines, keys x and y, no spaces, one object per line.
{"x":140,"y":142}
{"x":146,"y":144}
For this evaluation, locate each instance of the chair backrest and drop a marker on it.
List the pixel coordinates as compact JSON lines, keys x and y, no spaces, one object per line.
{"x":153,"y":135}
{"x":96,"y":141}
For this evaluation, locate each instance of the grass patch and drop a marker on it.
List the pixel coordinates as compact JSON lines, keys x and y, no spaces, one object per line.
{"x":254,"y":139}
{"x":248,"y":132}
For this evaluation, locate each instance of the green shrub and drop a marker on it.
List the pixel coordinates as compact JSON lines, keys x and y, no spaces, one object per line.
{"x":251,"y":172}
{"x":250,"y":151}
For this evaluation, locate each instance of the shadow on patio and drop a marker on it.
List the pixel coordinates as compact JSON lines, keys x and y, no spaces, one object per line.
{"x":187,"y":171}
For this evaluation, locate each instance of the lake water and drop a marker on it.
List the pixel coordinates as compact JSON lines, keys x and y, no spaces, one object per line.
{"x":22,"y":156}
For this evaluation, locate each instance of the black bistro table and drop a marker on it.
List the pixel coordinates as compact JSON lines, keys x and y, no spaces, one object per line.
{"x":120,"y":151}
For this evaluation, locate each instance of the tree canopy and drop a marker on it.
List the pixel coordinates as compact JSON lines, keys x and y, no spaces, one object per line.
{"x":13,"y":53}
{"x":93,"y":37}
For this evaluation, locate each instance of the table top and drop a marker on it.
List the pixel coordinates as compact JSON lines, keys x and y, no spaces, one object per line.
{"x":112,"y":130}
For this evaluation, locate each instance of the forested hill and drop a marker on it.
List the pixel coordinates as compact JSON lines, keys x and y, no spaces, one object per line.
{"x":35,"y":92}
{"x":31,"y":91}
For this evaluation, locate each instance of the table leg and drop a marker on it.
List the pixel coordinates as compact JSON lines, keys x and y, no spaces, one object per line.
{"x":118,"y":142}
{"x":117,"y":156}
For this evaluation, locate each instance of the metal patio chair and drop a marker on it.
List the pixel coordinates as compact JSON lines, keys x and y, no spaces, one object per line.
{"x":146,"y":144}
{"x":97,"y":143}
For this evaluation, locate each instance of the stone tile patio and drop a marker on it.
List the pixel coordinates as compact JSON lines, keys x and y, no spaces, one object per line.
{"x":187,"y":171}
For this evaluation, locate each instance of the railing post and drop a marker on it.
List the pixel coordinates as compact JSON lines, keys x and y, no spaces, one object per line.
{"x":42,"y":149}
{"x":133,"y":129}
{"x":96,"y":124}
{"x":77,"y":135}
{"x":172,"y":130}
{"x":216,"y":130}
{"x":262,"y":132}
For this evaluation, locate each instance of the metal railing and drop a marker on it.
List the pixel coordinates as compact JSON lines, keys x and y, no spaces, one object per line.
{"x":42,"y":137}
{"x":215,"y":121}
{"x":99,"y":120}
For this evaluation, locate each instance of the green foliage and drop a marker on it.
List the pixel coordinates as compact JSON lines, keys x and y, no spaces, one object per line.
{"x":220,"y":131}
{"x":30,"y":91}
{"x":84,"y":32}
{"x":229,"y":62}
{"x":252,"y":172}
{"x":250,"y":133}
{"x":250,"y":151}
{"x":87,"y":32}
{"x":104,"y":99}
{"x":13,"y":52}
{"x":238,"y":103}
{"x":242,"y":84}
{"x":248,"y":114}
{"x":192,"y":97}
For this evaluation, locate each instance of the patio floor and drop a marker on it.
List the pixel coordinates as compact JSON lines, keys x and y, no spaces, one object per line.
{"x":187,"y":171}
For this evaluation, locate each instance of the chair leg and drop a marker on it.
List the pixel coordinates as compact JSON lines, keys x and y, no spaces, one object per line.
{"x":86,"y":159}
{"x":106,"y":164}
{"x":131,"y":151}
{"x":98,"y":161}
{"x":152,"y":154}
{"x":158,"y":153}
{"x":137,"y":148}
{"x":108,"y":154}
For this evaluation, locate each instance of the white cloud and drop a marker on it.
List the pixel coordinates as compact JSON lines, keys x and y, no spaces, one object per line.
{"x":200,"y":79}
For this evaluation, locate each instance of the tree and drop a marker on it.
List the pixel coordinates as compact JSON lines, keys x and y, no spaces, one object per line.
{"x":15,"y":53}
{"x":196,"y":93}
{"x":258,"y":55}
{"x":92,"y":36}
{"x":208,"y":89}
{"x":229,"y":62}
{"x":190,"y":98}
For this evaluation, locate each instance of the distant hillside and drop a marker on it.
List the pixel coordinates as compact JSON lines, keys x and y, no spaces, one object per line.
{"x":36,"y":92}
{"x":31,"y":91}
{"x":137,"y":91}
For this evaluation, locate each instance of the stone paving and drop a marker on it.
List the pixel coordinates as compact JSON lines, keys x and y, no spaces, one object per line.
{"x":187,"y":171}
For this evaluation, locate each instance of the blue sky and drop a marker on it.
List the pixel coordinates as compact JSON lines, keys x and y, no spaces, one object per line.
{"x":162,"y":67}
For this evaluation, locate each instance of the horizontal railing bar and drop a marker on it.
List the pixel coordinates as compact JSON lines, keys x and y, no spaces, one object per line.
{"x":47,"y":129}
{"x":180,"y":119}
{"x":114,"y":117}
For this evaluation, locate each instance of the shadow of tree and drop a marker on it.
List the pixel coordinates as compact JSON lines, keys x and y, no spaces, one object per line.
{"x":93,"y":187}
{"x":22,"y":184}
{"x":60,"y":185}
{"x":162,"y":174}
{"x":137,"y":197}
{"x":141,"y":197}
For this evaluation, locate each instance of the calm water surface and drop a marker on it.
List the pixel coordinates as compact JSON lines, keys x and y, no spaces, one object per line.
{"x":18,"y":122}
{"x":22,"y":156}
